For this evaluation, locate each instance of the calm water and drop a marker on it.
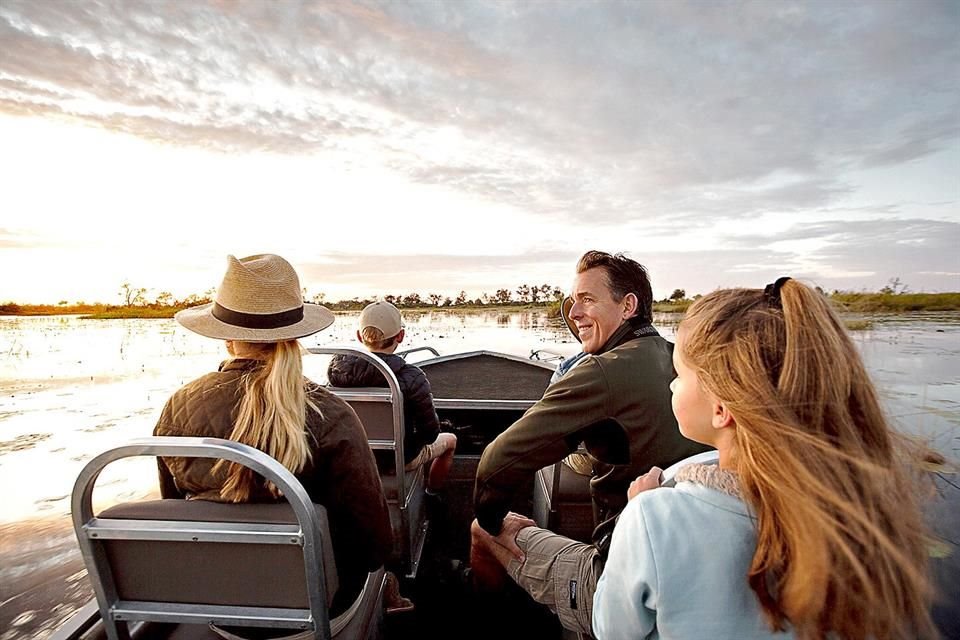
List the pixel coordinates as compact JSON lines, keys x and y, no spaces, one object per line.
{"x":70,"y":388}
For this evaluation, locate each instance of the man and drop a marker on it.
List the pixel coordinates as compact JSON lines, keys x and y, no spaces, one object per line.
{"x":617,"y":402}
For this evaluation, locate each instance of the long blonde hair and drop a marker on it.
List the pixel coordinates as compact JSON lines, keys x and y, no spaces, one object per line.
{"x":271,"y":416}
{"x":840,"y":535}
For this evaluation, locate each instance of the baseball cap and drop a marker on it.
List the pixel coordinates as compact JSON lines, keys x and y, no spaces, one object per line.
{"x":383,"y":316}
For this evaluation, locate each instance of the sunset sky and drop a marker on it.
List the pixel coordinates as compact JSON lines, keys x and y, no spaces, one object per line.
{"x":390,"y":147}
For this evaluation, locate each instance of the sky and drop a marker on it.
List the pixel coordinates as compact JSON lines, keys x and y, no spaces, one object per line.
{"x":393,"y":147}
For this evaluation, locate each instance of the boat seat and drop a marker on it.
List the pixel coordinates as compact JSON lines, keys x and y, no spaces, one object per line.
{"x":562,"y":502}
{"x":380,"y":410}
{"x":194,"y":562}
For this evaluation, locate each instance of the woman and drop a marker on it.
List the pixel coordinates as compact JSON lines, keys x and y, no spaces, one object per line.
{"x":809,"y":526}
{"x":259,"y":397}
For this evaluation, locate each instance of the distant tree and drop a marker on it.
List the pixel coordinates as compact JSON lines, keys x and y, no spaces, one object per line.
{"x":523,"y":292}
{"x":164,"y":298}
{"x":435,"y":299}
{"x":318,"y":298}
{"x":895,"y":287}
{"x":557,"y":294}
{"x":535,"y":294}
{"x":478,"y":302}
{"x":502,"y":296}
{"x":412,"y":300}
{"x":678,"y":294}
{"x":131,"y":295}
{"x":461,"y":299}
{"x":545,"y":290}
{"x":447,"y":301}
{"x":391,"y":299}
{"x":63,"y":303}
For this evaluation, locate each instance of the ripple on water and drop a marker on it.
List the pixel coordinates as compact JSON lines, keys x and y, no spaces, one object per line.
{"x":103,"y":426}
{"x":23,"y":618}
{"x":24,"y":442}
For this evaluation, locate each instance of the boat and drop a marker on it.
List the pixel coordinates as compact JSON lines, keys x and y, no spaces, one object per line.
{"x":179,"y":569}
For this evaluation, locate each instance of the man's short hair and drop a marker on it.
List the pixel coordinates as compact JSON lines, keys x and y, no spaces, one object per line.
{"x":379,"y":324}
{"x":373,"y":339}
{"x":624,"y":276}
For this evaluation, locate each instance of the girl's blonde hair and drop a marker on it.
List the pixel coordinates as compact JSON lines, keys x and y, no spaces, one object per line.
{"x":840,"y":535}
{"x":271,"y":416}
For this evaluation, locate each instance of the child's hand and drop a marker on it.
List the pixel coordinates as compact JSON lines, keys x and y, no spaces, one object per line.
{"x":649,"y":480}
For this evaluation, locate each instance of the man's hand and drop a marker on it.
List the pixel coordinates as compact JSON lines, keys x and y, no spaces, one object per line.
{"x":649,"y":480}
{"x":507,"y":538}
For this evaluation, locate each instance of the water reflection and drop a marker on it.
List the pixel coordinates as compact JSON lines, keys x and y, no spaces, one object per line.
{"x":71,"y":388}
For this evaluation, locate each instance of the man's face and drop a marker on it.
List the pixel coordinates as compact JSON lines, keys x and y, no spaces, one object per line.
{"x":594,"y":311}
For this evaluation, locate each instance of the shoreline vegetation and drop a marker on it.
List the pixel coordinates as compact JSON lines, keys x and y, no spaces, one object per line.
{"x":136,"y":305}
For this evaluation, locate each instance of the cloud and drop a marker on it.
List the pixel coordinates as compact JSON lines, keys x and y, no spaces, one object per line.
{"x":835,"y":252}
{"x":612,"y":110}
{"x":15,"y":239}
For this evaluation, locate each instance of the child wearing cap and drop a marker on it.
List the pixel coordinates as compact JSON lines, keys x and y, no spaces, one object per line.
{"x":381,"y":331}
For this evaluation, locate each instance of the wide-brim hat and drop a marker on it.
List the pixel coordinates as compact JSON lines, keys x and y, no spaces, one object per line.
{"x":259,"y":300}
{"x":565,"y":307}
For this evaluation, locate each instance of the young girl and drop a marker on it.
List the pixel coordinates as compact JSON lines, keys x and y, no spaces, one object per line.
{"x":810,"y":524}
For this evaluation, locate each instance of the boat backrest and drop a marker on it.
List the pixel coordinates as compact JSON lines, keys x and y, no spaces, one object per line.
{"x":562,"y":502}
{"x":380,"y":410}
{"x":252,"y":574}
{"x":197,"y":562}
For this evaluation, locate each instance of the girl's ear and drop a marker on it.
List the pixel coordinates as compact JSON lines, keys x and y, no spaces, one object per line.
{"x":722,"y":418}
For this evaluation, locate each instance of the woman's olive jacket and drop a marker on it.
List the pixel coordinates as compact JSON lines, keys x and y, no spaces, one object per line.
{"x":341,"y":474}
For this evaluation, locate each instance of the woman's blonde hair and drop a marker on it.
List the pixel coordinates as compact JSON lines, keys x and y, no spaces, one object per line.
{"x":840,"y":536}
{"x":271,"y":416}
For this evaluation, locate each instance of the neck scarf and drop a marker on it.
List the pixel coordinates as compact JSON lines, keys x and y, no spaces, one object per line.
{"x":711,"y":476}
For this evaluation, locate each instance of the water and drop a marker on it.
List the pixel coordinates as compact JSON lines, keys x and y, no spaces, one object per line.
{"x":70,"y":388}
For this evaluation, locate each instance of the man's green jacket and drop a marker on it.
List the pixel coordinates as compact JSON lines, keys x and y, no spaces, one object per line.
{"x":618,"y":404}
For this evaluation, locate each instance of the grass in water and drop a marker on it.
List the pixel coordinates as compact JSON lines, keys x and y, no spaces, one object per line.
{"x":854,"y":324}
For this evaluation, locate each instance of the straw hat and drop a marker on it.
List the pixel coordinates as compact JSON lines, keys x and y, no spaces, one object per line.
{"x":565,"y":307}
{"x":258,"y":301}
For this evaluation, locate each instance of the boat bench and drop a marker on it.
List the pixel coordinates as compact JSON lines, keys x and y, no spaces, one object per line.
{"x":380,"y":410}
{"x":197,"y":563}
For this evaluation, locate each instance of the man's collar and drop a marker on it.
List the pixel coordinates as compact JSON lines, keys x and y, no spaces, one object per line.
{"x":631,"y":329}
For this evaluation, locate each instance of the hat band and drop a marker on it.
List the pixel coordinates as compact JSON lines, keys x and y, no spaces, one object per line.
{"x":257,"y":320}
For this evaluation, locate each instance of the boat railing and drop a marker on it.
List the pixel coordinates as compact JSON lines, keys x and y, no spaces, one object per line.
{"x":546,"y":355}
{"x":404,"y":354}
